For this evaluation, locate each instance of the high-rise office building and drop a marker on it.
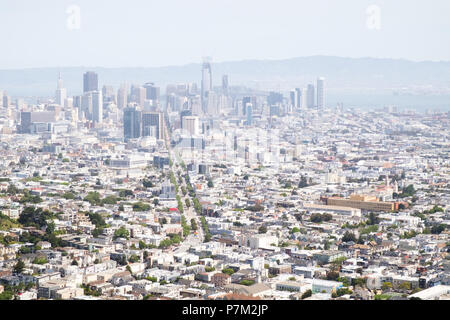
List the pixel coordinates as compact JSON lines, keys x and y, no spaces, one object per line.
{"x":310,"y":100}
{"x":6,"y":100}
{"x":249,"y":108}
{"x":69,"y":103}
{"x":246,"y":100}
{"x":212,"y":107}
{"x":25,"y":122}
{"x":86,"y":106}
{"x":206,"y":82}
{"x":225,"y":85}
{"x":171,"y":102}
{"x":28,"y":118}
{"x":293,"y":98}
{"x":191,"y":124}
{"x":320,"y":93}
{"x":61,"y":93}
{"x":153,"y":122}
{"x":192,"y":89}
{"x":138,"y":95}
{"x":171,"y":89}
{"x":274,"y":98}
{"x":152,"y":92}
{"x":122,"y":97}
{"x":184,"y":113}
{"x":131,"y":123}
{"x":302,"y":98}
{"x":77,"y":102}
{"x":90,"y":81}
{"x":196,"y":105}
{"x":109,"y":95}
{"x":97,"y":107}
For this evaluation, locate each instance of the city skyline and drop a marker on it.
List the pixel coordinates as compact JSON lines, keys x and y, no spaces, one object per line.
{"x":255,"y":180}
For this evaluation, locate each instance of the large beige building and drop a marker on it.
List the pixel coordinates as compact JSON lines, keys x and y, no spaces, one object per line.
{"x":362,"y":202}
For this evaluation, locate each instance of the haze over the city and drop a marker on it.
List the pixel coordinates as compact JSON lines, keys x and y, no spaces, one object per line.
{"x":137,"y":33}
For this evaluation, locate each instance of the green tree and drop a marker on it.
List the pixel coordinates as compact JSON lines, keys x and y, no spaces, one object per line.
{"x":438,"y":229}
{"x":405,"y":286}
{"x":142,"y":245}
{"x":97,"y":220}
{"x":110,"y":200}
{"x":133,"y":258}
{"x":386,"y":286}
{"x":262,"y":229}
{"x":147,"y":183}
{"x":306,"y":294}
{"x":122,"y":232}
{"x":246,"y":282}
{"x":6,"y":295}
{"x":140,"y":206}
{"x":93,"y":198}
{"x":194,"y":225}
{"x":228,"y":271}
{"x":294,"y":230}
{"x":373,"y":219}
{"x":40,"y":260}
{"x":69,"y":196}
{"x":19,"y":266}
{"x":349,"y":236}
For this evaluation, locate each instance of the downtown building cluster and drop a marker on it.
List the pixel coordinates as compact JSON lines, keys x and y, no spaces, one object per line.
{"x":220,"y":192}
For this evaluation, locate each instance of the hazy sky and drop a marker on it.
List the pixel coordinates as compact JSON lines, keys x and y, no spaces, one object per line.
{"x":116,"y":33}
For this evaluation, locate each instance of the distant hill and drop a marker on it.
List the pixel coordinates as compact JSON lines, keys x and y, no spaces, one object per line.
{"x":340,"y":73}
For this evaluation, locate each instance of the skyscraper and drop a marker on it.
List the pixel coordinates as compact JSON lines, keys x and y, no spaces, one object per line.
{"x":25,"y":121}
{"x":86,"y":105}
{"x":293,"y":98}
{"x":153,"y":122}
{"x":6,"y":100}
{"x":131,"y":123}
{"x":109,"y":95}
{"x":138,"y":95}
{"x":77,"y":102}
{"x":97,"y":107}
{"x":310,"y":100}
{"x":152,"y":92}
{"x":225,"y":85}
{"x":122,"y":97}
{"x":303,"y":99}
{"x":90,"y":81}
{"x":61,"y":93}
{"x":245,"y":100}
{"x":249,"y":108}
{"x":171,"y":102}
{"x":184,"y":113}
{"x":320,"y":93}
{"x":274,"y":98}
{"x":191,"y":124}
{"x":206,"y":82}
{"x":213,"y":104}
